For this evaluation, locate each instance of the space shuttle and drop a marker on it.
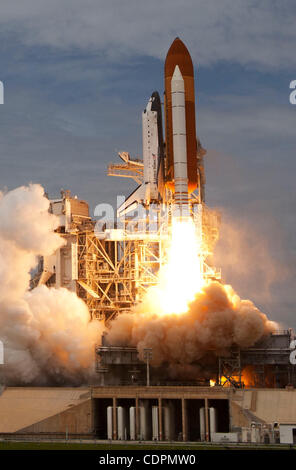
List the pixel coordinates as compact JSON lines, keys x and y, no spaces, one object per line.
{"x":153,"y":159}
{"x":175,"y":166}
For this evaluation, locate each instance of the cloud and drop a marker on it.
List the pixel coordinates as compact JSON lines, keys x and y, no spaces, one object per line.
{"x":247,"y":32}
{"x":47,"y":334}
{"x":254,"y":118}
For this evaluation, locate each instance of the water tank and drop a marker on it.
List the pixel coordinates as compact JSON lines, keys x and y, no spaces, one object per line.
{"x":110,"y":422}
{"x":202,"y":424}
{"x":155,"y":423}
{"x":132,"y":423}
{"x":169,"y":422}
{"x":145,"y":422}
{"x":213,"y":419}
{"x":121,"y":423}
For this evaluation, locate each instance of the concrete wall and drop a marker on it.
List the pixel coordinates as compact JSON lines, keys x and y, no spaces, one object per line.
{"x":72,"y":410}
{"x":286,"y":433}
{"x":77,"y":420}
{"x":46,"y":409}
{"x":238,"y":417}
{"x":263,"y":406}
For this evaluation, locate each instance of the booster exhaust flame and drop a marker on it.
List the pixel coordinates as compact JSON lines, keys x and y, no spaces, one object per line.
{"x":186,"y":318}
{"x":181,"y":277}
{"x":47,"y":335}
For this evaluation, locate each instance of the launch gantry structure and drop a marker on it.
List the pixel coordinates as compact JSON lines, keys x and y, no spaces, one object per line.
{"x":110,"y":268}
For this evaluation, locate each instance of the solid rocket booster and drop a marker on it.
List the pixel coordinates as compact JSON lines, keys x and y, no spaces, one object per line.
{"x":178,"y":55}
{"x":179,"y":142}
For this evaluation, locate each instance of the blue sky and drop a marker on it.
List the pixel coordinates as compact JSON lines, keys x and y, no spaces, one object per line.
{"x":77,"y":75}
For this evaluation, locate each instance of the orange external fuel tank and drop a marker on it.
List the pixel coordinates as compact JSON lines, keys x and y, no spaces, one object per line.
{"x":178,"y":55}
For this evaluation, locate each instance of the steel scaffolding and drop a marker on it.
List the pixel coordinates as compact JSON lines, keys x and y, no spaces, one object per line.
{"x":113,"y":275}
{"x":111,"y":268}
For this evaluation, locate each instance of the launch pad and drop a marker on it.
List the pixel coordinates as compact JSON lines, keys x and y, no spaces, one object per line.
{"x":267,"y":363}
{"x":112,"y":268}
{"x":149,"y":414}
{"x":111,"y":263}
{"x":221,"y":392}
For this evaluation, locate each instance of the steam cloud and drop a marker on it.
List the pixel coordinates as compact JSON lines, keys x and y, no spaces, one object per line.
{"x":216,"y":320}
{"x":46,"y":333}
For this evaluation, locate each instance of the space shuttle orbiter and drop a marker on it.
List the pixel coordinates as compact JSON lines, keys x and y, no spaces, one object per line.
{"x":153,"y":159}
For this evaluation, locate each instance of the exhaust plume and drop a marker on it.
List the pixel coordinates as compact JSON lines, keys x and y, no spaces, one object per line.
{"x":186,"y":319}
{"x":216,"y":320}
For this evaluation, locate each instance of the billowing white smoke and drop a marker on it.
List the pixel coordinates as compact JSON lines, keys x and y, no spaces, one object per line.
{"x":47,"y":335}
{"x":216,"y":320}
{"x":46,"y":332}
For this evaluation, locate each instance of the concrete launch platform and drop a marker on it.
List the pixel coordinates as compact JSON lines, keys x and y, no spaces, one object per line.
{"x":84,"y":412}
{"x":45,"y":410}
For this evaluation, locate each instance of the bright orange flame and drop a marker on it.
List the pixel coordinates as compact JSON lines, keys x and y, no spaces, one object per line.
{"x":181,"y":278}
